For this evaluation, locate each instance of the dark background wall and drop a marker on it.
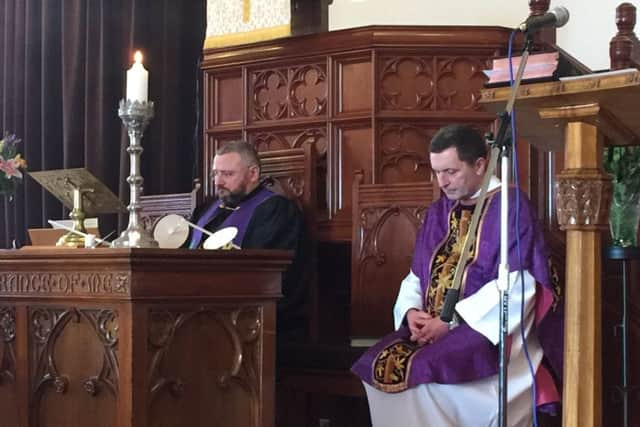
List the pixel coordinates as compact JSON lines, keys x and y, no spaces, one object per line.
{"x":62,"y":74}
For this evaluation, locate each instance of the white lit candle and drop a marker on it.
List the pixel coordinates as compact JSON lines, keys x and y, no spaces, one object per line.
{"x":137,"y":80}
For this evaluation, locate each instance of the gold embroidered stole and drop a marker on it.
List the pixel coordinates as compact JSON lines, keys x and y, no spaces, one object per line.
{"x":446,"y":259}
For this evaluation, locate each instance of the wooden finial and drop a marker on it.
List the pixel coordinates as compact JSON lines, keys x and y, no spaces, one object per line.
{"x":538,"y":7}
{"x":626,"y":19}
{"x":624,"y":48}
{"x":544,"y":36}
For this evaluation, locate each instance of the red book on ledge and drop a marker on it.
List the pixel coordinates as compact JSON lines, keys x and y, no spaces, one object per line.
{"x":539,"y":67}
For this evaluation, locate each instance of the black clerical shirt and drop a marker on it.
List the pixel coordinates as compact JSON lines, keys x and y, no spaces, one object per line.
{"x":277,"y":223}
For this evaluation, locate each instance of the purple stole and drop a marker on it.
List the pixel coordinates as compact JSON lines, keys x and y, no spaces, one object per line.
{"x":239,"y":218}
{"x":463,"y":354}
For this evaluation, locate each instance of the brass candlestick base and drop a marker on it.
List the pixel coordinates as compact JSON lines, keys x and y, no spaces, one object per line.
{"x":136,"y":116}
{"x":72,"y":239}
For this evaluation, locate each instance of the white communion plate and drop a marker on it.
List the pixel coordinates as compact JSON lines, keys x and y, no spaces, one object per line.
{"x":220,"y":238}
{"x":171,"y":231}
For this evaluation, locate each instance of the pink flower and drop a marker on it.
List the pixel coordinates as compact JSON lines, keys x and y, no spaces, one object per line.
{"x":11,"y":167}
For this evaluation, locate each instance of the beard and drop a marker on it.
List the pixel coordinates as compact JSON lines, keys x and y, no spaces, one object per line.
{"x":231,"y":198}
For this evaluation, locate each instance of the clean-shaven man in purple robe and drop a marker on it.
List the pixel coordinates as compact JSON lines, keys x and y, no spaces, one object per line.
{"x":264,"y":219}
{"x":429,"y":373}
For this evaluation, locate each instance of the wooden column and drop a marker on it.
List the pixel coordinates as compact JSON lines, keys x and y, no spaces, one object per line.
{"x":582,"y":192}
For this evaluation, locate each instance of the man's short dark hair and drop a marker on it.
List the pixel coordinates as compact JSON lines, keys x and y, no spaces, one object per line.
{"x":247,"y":152}
{"x":467,"y":141}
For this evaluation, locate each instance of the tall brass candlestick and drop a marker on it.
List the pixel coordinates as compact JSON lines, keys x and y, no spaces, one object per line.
{"x":136,"y":116}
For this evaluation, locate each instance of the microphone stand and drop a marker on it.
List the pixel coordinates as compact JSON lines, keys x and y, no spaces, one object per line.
{"x":503,"y":270}
{"x":500,"y":146}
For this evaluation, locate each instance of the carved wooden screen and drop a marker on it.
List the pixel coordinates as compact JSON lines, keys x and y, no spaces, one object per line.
{"x":368,"y":98}
{"x":291,"y":172}
{"x":386,"y":219}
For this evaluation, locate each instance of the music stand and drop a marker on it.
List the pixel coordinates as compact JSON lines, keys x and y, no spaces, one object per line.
{"x":80,"y":192}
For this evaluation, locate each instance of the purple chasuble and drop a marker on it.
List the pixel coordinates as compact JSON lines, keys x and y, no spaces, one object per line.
{"x":239,"y":218}
{"x":463,"y":354}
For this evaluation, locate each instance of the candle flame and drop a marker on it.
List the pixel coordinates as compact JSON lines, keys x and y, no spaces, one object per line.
{"x":137,"y":57}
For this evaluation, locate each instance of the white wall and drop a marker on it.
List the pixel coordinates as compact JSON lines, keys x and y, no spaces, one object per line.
{"x":586,"y":36}
{"x":590,"y":29}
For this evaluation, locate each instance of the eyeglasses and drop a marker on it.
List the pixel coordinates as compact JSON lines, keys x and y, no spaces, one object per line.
{"x":228,"y":173}
{"x":224,"y":173}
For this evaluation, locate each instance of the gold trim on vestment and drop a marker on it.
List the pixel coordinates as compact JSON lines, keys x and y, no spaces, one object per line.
{"x":448,"y":258}
{"x":476,"y":249}
{"x":555,"y":284}
{"x":435,"y":252}
{"x":390,"y":370}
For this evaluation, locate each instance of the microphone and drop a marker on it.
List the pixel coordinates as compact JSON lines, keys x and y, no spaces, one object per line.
{"x":556,"y":17}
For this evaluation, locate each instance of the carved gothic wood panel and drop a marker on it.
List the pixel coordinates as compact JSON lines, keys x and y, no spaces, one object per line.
{"x":349,"y":79}
{"x":402,"y":149}
{"x":282,"y":139}
{"x":218,"y":378}
{"x":65,"y":386}
{"x":269,"y":100}
{"x":431,"y":83}
{"x":291,"y":172}
{"x":8,"y":390}
{"x":384,"y":259}
{"x":7,"y":344}
{"x":81,"y":351}
{"x":404,"y":152}
{"x":386,"y":221}
{"x":308,"y":91}
{"x":288,"y":93}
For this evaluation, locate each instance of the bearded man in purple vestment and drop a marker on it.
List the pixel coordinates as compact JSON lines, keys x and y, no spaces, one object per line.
{"x":265,"y":220}
{"x":432,"y":373}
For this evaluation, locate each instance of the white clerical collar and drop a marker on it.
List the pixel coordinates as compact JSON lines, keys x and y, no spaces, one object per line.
{"x":494,"y":183}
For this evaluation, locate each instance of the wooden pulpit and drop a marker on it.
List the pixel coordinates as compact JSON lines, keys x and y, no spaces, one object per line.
{"x":583,"y":114}
{"x":138,"y":337}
